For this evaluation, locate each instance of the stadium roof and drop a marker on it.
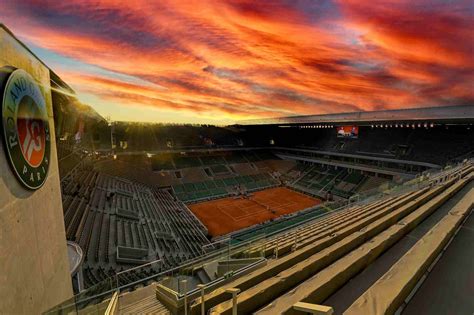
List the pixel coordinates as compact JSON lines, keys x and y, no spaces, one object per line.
{"x":448,"y":114}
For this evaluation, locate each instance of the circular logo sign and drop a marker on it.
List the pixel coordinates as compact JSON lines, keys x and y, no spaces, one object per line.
{"x":25,"y":128}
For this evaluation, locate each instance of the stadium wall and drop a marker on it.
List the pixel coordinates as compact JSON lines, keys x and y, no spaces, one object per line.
{"x":33,"y":254}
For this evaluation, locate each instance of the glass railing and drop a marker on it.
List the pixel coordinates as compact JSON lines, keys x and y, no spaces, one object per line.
{"x":93,"y":300}
{"x":212,"y":269}
{"x":229,"y":257}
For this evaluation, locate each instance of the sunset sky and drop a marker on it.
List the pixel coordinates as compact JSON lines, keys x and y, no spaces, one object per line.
{"x":221,"y":61}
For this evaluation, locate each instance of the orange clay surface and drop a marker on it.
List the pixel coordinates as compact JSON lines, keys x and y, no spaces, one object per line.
{"x":230,"y":214}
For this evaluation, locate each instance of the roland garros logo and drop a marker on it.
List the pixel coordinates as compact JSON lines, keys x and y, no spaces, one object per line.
{"x":25,"y":128}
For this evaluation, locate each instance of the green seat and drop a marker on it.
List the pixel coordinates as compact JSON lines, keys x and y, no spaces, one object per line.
{"x":248,"y":179}
{"x":230,"y":181}
{"x":210,"y":184}
{"x":203,"y":194}
{"x":182,"y":196}
{"x":178,"y":189}
{"x":255,"y":177}
{"x":240,"y":180}
{"x":251,"y":185}
{"x":219,"y":183}
{"x":304,"y":183}
{"x":219,"y":191}
{"x":200,"y":186}
{"x":184,"y":162}
{"x":354,"y":178}
{"x":189,"y":187}
{"x":219,"y":168}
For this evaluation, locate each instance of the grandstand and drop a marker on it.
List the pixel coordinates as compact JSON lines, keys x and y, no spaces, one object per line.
{"x":219,"y":188}
{"x":312,"y":262}
{"x":317,"y":223}
{"x":104,"y":214}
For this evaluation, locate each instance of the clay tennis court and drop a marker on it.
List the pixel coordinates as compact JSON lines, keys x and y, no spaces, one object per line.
{"x":230,"y":214}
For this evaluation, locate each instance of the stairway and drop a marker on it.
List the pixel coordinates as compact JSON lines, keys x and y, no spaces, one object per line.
{"x":142,"y":301}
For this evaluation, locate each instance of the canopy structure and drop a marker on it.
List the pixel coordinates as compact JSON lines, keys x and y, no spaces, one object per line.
{"x":443,"y":114}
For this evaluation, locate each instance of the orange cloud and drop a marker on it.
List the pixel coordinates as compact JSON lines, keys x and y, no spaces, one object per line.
{"x":242,"y":59}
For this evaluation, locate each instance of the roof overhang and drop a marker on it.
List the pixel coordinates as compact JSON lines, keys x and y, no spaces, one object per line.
{"x":444,"y":114}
